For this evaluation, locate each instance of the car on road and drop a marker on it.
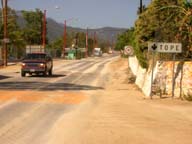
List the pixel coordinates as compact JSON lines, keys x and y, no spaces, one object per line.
{"x":37,"y":63}
{"x":97,"y":52}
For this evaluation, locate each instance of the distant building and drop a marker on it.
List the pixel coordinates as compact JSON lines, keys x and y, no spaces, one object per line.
{"x":34,"y":48}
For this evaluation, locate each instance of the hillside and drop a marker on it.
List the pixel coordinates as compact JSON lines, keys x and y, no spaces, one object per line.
{"x":55,"y":30}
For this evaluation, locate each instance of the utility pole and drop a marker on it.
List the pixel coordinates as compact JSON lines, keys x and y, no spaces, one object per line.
{"x":5,"y":40}
{"x":64,"y":38}
{"x":95,"y":40}
{"x":112,"y":42}
{"x":141,"y":6}
{"x":44,"y":30}
{"x":2,"y":9}
{"x":108,"y":44}
{"x":86,"y":54}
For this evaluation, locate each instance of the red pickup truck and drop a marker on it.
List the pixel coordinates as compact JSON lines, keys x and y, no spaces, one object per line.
{"x":37,"y":63}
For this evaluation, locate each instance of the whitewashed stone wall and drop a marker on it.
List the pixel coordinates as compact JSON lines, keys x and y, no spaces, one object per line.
{"x":163,"y":74}
{"x":143,"y":77}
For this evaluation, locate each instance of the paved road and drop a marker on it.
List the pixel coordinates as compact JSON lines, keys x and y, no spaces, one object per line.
{"x":30,"y":106}
{"x":87,"y":102}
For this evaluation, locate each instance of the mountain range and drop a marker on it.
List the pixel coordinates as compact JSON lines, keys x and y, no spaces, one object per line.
{"x":56,"y":30}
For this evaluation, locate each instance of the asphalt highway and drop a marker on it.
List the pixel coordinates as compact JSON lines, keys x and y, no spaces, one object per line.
{"x":30,"y":106}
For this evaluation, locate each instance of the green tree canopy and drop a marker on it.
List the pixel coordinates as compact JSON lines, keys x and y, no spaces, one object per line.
{"x":33,"y":28}
{"x":126,"y":38}
{"x":163,"y":21}
{"x":15,"y":34}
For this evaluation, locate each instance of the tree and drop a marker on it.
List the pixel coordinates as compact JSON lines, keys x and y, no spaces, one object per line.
{"x":55,"y":48}
{"x":81,"y":38}
{"x":126,"y":38}
{"x":33,"y":28}
{"x":184,"y":34}
{"x":15,"y":34}
{"x":90,"y":46}
{"x":162,"y":21}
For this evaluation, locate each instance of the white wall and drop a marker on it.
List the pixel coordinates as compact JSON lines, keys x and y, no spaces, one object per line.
{"x":133,"y":64}
{"x":143,"y":77}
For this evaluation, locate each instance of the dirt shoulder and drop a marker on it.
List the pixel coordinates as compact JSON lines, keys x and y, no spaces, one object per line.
{"x":120,"y":115}
{"x":123,"y":116}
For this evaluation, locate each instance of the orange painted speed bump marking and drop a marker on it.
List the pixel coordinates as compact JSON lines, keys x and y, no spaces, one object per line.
{"x":43,"y":97}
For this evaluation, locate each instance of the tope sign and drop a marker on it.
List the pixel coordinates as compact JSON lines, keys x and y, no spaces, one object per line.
{"x":165,"y":47}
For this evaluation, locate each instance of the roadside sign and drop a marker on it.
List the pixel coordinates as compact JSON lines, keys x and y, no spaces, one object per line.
{"x":165,"y":47}
{"x":128,"y":50}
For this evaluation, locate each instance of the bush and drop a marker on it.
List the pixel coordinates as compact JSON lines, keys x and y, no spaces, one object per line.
{"x":188,"y":96}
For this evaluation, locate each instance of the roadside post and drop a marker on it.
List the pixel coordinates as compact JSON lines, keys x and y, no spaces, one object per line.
{"x":5,"y":32}
{"x":128,"y":51}
{"x":153,"y":47}
{"x":173,"y":76}
{"x":162,"y":47}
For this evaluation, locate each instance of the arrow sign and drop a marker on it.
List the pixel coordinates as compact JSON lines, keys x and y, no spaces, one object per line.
{"x":154,"y":46}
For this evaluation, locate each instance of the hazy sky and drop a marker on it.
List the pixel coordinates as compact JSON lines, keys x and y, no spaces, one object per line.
{"x":90,"y":13}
